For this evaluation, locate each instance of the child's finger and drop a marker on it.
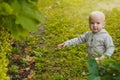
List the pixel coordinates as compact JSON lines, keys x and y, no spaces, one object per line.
{"x":61,"y":45}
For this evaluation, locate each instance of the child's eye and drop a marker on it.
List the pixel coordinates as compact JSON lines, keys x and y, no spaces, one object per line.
{"x":92,"y":22}
{"x":98,"y":22}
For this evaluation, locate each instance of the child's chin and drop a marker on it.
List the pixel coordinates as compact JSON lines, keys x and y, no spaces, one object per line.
{"x":95,"y":31}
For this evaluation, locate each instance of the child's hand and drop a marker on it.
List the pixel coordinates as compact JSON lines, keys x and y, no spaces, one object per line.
{"x":99,"y":59}
{"x":62,"y":45}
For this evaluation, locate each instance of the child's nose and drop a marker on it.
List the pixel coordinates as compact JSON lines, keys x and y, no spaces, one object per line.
{"x":95,"y":25}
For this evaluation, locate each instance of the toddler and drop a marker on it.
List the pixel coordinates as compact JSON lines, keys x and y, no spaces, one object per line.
{"x":98,"y":40}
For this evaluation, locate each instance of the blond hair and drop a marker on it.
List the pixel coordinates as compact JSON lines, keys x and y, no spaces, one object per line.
{"x":97,"y":13}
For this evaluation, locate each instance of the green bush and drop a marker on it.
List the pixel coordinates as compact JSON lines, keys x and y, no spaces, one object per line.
{"x":65,"y":20}
{"x":20,"y":17}
{"x":5,"y":50}
{"x":17,"y":19}
{"x":106,"y":69}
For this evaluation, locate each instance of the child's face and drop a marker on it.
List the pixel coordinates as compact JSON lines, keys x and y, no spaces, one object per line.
{"x":96,"y":23}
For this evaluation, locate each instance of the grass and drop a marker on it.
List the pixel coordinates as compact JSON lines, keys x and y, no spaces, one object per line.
{"x":67,"y":19}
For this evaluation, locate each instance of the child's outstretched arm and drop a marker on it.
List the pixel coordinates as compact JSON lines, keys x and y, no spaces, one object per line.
{"x":75,"y":41}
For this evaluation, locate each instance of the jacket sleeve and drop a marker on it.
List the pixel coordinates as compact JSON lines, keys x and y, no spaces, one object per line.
{"x":109,"y":46}
{"x":77,"y":40}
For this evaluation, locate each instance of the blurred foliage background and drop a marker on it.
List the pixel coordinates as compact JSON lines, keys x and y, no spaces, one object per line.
{"x":38,"y":56}
{"x":65,"y":20}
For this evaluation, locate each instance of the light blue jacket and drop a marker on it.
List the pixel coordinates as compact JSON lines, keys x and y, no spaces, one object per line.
{"x":97,"y":44}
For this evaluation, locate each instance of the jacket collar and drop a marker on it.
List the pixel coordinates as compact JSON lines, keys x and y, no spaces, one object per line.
{"x":102,"y":31}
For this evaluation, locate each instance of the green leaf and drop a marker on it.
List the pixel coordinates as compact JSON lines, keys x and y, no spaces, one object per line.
{"x":26,"y":18}
{"x":115,"y":66}
{"x":5,"y":9}
{"x":97,"y":78}
{"x":27,"y":23}
{"x":93,"y":67}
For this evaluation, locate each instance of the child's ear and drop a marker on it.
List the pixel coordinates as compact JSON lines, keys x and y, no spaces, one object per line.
{"x":104,"y":23}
